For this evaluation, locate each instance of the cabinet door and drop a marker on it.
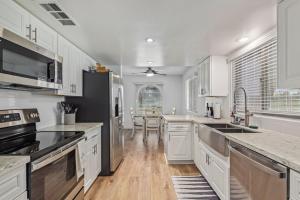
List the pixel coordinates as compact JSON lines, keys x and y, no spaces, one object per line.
{"x":289,"y":44}
{"x":13,"y":183}
{"x":196,"y":152}
{"x":73,"y":70}
{"x":87,"y":166}
{"x":64,"y":51}
{"x":203,"y":157}
{"x":43,"y":35}
{"x":219,"y":172}
{"x":14,"y":18}
{"x":179,"y":147}
{"x":98,"y":154}
{"x":206,"y":80}
{"x":294,"y":185}
{"x":166,"y":138}
{"x":204,"y":77}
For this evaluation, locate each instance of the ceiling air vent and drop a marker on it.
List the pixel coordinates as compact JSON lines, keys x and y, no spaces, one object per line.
{"x":58,"y":14}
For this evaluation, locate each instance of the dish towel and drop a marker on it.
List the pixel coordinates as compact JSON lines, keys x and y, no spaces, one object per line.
{"x":79,"y":158}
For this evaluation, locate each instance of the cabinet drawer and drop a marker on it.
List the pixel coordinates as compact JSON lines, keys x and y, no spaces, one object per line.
{"x":93,"y":133}
{"x":13,"y":184}
{"x":179,"y":127}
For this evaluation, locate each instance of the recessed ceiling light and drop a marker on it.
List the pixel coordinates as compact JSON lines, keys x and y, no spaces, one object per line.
{"x":149,"y":40}
{"x":243,"y":39}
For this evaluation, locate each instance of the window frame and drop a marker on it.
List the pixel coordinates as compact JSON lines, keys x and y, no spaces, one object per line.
{"x":244,"y":51}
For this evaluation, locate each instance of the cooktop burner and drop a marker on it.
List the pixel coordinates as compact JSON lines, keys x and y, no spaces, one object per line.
{"x":37,"y":144}
{"x":18,"y":135}
{"x":46,"y":140}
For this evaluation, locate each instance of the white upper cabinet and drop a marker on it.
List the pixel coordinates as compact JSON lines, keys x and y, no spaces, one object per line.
{"x":64,"y":51}
{"x":289,"y":44}
{"x":21,"y":22}
{"x":72,"y":71}
{"x":43,"y":35}
{"x":213,"y":76}
{"x":14,"y":18}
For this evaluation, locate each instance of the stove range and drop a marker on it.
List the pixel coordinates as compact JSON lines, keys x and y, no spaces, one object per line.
{"x":20,"y":138}
{"x":51,"y":174}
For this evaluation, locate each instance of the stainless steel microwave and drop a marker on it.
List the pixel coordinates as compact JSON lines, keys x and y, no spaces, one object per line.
{"x":26,"y":65}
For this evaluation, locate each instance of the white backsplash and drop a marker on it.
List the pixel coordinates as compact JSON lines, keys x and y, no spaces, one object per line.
{"x":46,"y":104}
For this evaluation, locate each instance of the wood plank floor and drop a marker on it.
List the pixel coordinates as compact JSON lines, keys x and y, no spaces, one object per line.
{"x":143,"y":175}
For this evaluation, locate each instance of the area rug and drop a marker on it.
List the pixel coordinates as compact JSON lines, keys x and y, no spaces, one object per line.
{"x":193,"y":187}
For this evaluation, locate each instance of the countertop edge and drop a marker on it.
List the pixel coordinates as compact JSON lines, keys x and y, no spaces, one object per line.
{"x":12,"y":162}
{"x":86,"y":127}
{"x":268,"y":154}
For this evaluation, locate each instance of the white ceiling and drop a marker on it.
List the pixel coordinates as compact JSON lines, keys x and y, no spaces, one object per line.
{"x":114,"y":31}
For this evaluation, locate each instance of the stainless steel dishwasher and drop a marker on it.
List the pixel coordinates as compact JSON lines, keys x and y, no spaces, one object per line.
{"x":255,"y":177}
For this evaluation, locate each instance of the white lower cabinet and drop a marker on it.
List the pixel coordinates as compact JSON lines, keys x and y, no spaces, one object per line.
{"x":196,"y":152}
{"x":179,"y":142}
{"x":13,"y":185}
{"x":294,"y":185}
{"x":215,"y":169}
{"x":92,"y":158}
{"x":23,"y":196}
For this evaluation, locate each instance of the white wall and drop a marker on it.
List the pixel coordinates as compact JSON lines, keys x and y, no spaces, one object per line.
{"x":46,"y":105}
{"x":171,"y":89}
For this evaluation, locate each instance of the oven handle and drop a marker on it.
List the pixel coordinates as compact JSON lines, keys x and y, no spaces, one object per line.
{"x":273,"y":172}
{"x":42,"y":162}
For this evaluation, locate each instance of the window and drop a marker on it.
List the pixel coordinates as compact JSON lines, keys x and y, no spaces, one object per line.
{"x":149,"y":97}
{"x":256,"y":71}
{"x":191,"y":88}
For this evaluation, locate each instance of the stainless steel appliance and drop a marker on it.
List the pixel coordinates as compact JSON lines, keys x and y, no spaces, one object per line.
{"x":102,"y":101}
{"x":214,"y":135}
{"x":24,"y":64}
{"x":51,"y":174}
{"x":255,"y":177}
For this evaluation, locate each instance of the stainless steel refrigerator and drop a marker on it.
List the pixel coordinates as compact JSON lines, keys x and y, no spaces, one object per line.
{"x":102,"y":101}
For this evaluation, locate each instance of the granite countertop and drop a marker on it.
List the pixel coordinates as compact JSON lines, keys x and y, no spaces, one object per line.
{"x":76,"y":127}
{"x":191,"y":118}
{"x":283,"y":148}
{"x":8,"y":163}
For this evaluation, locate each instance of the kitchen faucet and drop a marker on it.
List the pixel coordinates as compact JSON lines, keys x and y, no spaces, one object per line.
{"x":234,"y":112}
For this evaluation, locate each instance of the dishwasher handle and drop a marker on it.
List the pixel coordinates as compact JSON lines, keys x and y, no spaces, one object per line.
{"x":272,"y":171}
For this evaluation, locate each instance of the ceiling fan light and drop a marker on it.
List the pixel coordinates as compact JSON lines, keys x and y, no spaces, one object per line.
{"x":150,"y":74}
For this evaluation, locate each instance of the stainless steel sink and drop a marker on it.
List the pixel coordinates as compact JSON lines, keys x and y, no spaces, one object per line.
{"x":220,"y":125}
{"x":214,"y":135}
{"x":235,"y":130}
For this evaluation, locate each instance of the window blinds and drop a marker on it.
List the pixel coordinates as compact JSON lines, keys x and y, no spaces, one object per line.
{"x":256,"y":71}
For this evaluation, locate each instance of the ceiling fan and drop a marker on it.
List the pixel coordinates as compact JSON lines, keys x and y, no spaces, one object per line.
{"x":151,"y":72}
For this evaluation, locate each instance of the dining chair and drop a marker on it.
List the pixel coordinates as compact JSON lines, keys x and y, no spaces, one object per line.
{"x":137,"y":123}
{"x":152,"y":123}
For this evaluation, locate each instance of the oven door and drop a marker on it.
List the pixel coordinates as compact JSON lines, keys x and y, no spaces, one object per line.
{"x":26,"y":64}
{"x":57,"y":179}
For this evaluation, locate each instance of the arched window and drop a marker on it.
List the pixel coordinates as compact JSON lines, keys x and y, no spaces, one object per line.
{"x":149,"y":97}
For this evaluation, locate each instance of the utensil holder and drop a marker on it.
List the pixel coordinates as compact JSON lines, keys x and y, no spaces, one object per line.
{"x":69,"y":119}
